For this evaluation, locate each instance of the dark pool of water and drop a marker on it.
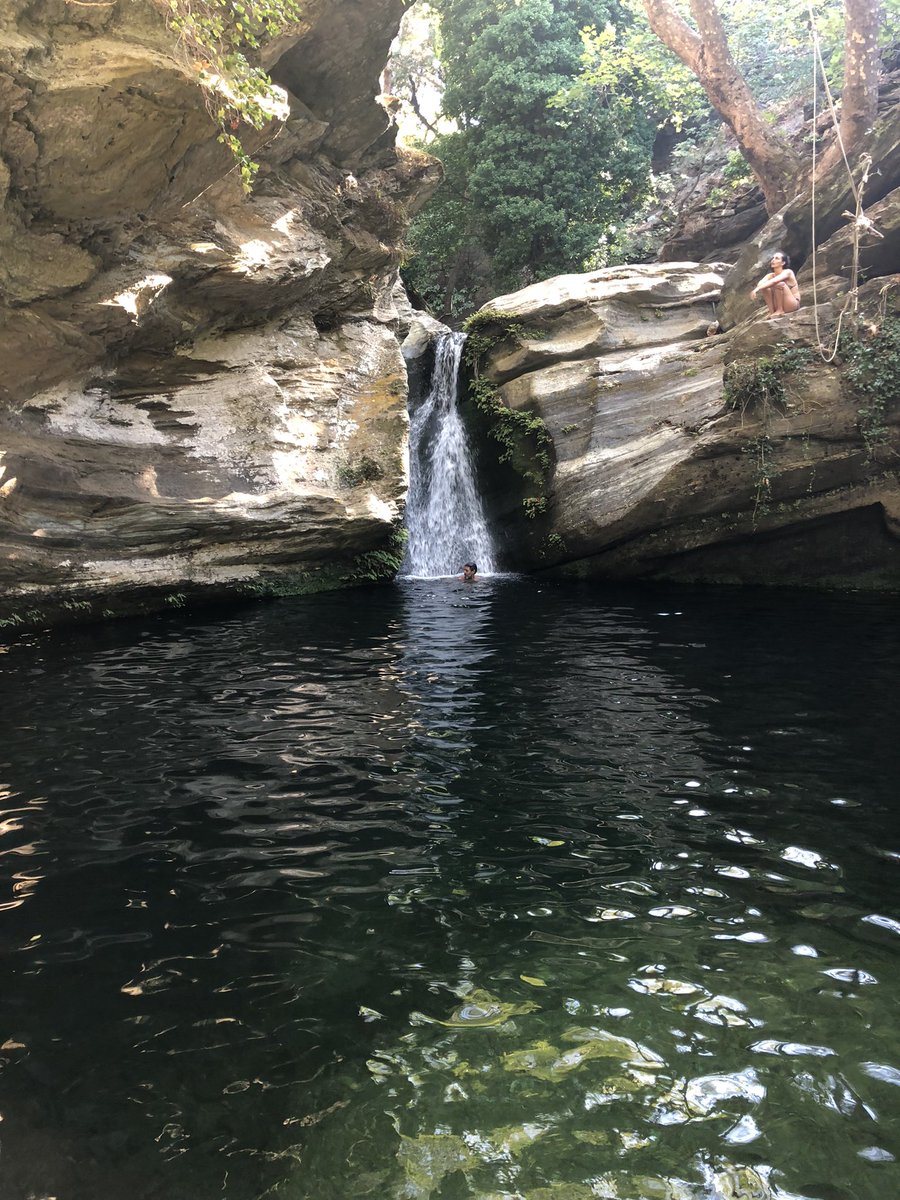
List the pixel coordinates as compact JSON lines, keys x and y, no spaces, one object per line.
{"x":510,"y":890}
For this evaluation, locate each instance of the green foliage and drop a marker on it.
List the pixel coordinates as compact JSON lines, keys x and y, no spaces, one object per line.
{"x":626,"y":60}
{"x":364,"y":469}
{"x":523,"y":435}
{"x":415,"y":73}
{"x":757,"y":384}
{"x":556,"y":105}
{"x":737,"y":170}
{"x":771,"y":43}
{"x":372,"y":566}
{"x":872,"y":368}
{"x":377,"y":566}
{"x":530,"y":186}
{"x":291,"y":583}
{"x":492,"y":317}
{"x":535,"y":506}
{"x":444,"y":255}
{"x":488,"y":328}
{"x":20,"y":620}
{"x":221,"y":40}
{"x":771,"y":47}
{"x":524,"y":440}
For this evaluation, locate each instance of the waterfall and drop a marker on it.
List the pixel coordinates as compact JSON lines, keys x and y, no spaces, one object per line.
{"x":444,"y":515}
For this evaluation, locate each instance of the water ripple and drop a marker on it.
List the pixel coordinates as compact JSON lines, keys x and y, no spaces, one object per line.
{"x":509,"y":890}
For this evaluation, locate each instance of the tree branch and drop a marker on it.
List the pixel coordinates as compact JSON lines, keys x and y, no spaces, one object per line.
{"x":414,"y":105}
{"x":707,"y":54}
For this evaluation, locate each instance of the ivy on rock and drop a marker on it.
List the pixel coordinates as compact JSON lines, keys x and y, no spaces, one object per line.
{"x":221,"y":41}
{"x":523,"y":436}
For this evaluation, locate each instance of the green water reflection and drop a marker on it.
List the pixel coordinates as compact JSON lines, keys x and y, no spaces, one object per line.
{"x":436,"y":893}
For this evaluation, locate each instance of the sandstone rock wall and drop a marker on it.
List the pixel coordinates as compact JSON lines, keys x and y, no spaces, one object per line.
{"x":202,"y":394}
{"x":660,"y":469}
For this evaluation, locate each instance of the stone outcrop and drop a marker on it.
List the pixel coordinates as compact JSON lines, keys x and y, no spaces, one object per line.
{"x":713,"y":211}
{"x":203,"y":393}
{"x":418,"y":352}
{"x":797,"y":227}
{"x":670,"y":456}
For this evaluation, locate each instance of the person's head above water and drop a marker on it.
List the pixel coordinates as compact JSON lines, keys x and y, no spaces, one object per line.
{"x":469,"y":570}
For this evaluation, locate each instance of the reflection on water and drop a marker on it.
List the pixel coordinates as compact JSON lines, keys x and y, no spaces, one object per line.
{"x":446,"y":891}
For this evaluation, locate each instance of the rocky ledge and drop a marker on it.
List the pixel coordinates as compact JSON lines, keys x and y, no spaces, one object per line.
{"x":662,"y":448}
{"x":203,"y":393}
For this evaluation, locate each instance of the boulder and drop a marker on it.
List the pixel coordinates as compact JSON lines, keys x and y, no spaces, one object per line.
{"x":791,"y":229}
{"x":671,"y":456}
{"x":418,"y":351}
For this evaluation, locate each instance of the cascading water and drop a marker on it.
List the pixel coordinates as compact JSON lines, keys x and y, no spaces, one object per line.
{"x":444,"y":516}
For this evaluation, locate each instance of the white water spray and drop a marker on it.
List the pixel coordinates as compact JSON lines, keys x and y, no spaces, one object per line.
{"x":444,"y":515}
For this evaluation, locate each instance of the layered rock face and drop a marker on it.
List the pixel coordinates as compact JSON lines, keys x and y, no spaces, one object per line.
{"x":202,"y":393}
{"x":671,"y":456}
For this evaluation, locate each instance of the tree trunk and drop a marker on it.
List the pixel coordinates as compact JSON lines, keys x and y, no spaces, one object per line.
{"x":859,"y":97}
{"x":706,"y":53}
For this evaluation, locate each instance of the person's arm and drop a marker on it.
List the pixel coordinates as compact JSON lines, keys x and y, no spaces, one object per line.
{"x":770,"y":280}
{"x":762,"y":283}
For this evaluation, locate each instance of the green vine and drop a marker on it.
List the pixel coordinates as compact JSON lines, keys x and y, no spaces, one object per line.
{"x":486,"y":329}
{"x":757,"y":384}
{"x":221,"y":40}
{"x":525,"y":441}
{"x":760,"y":449}
{"x":872,"y":368}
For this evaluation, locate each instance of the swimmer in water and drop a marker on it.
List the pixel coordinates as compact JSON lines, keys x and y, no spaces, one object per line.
{"x":469,"y":570}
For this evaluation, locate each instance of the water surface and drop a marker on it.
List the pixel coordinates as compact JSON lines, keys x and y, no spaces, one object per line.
{"x":436,"y":890}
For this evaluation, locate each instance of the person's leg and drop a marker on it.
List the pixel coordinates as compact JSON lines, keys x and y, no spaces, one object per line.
{"x":785,"y":300}
{"x":769,"y":296}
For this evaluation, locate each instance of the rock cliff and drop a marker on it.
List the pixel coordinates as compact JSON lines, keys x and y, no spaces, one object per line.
{"x":203,"y":393}
{"x":664,"y":449}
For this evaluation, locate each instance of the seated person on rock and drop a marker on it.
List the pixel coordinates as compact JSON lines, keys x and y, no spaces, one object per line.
{"x":779,"y":287}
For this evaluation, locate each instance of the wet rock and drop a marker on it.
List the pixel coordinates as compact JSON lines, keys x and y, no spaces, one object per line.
{"x":427,"y":1160}
{"x":418,"y":350}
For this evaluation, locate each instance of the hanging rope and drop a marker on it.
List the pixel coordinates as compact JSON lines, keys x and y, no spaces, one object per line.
{"x":860,"y":222}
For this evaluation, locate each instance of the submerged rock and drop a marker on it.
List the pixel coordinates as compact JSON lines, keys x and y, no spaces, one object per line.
{"x":427,"y":1159}
{"x":548,"y":1062}
{"x":480,"y":1010}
